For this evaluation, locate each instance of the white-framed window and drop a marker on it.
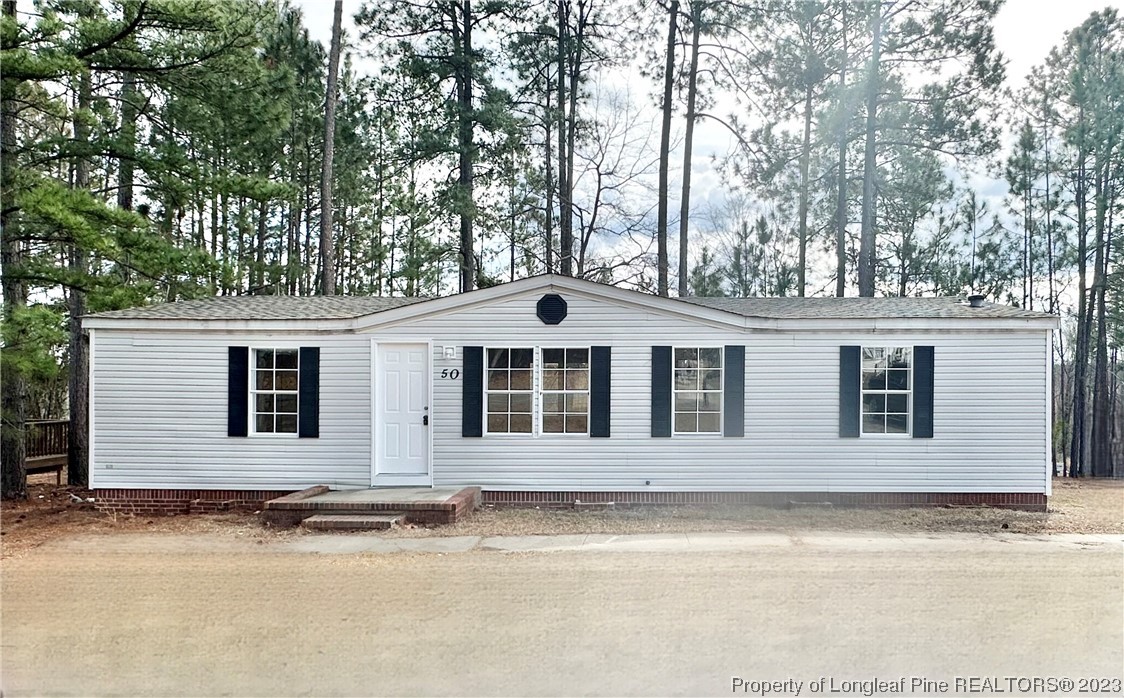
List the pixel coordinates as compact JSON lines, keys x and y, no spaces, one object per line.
{"x":509,"y":390}
{"x":887,"y":390}
{"x":697,"y":390}
{"x":565,"y":391}
{"x":536,"y":390}
{"x":274,"y":389}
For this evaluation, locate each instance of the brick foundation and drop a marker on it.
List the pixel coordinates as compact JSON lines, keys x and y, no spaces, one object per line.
{"x":171,"y":502}
{"x":1028,"y":501}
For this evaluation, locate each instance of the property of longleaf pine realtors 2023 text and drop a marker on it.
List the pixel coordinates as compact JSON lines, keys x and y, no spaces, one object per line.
{"x":963,"y":685}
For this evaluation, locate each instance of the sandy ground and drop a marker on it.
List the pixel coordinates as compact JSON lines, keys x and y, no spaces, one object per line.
{"x":98,"y":605}
{"x":1085,"y":506}
{"x":488,"y":623}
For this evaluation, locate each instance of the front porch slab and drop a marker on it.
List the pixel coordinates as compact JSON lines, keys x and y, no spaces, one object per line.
{"x":424,"y":505}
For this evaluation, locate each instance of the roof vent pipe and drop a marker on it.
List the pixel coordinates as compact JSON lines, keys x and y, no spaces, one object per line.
{"x":976,"y":301}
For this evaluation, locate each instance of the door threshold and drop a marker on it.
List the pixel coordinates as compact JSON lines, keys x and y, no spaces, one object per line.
{"x":401,"y":481}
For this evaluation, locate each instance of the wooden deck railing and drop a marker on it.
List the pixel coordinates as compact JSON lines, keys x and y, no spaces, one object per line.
{"x":46,"y":438}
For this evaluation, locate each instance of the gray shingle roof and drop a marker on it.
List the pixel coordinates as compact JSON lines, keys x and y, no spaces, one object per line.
{"x":860,"y":308}
{"x":348,"y":307}
{"x":263,"y":308}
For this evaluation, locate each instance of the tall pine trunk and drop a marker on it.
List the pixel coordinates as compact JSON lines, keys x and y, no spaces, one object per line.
{"x":13,"y":398}
{"x":1051,"y":290}
{"x":565,"y":190}
{"x":665,"y":148}
{"x":574,"y":60}
{"x":305,"y":251}
{"x":463,"y":51}
{"x":688,"y":141}
{"x":805,"y":157}
{"x":1101,"y":441}
{"x":226,"y":276}
{"x":292,"y":267}
{"x":841,"y":193}
{"x":128,"y":141}
{"x":78,"y":435}
{"x":870,"y":163}
{"x":548,"y":171}
{"x":1028,"y":225}
{"x":259,"y":271}
{"x":1081,"y":348}
{"x":327,"y":246}
{"x":379,"y":257}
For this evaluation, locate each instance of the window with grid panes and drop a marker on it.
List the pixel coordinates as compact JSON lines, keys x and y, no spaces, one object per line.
{"x":274,"y":385}
{"x":509,"y":390}
{"x":697,"y":385}
{"x":887,"y":384}
{"x":565,"y":391}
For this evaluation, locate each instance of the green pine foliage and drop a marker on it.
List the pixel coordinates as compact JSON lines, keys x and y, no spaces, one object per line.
{"x":156,"y":150}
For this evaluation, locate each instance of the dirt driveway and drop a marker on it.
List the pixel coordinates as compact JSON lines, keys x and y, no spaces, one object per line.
{"x":244,"y":622}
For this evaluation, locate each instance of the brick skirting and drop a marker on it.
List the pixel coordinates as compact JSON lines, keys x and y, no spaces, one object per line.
{"x":1029,"y":501}
{"x":169,"y":502}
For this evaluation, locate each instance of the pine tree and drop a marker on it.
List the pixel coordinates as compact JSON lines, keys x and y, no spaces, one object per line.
{"x":327,"y":253}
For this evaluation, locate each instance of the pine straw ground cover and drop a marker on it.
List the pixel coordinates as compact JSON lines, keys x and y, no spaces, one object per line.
{"x":1082,"y":506}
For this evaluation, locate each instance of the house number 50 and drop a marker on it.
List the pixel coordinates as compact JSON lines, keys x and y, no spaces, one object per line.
{"x":451,"y":373}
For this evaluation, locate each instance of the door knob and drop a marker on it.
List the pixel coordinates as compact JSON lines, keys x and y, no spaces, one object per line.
{"x":425,"y":420}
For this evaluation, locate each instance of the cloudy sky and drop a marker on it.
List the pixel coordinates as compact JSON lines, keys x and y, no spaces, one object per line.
{"x":1025,"y":31}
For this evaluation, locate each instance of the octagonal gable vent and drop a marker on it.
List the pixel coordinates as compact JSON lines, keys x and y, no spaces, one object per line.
{"x":551,"y":309}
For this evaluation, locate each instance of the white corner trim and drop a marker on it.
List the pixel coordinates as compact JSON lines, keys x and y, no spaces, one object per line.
{"x":374,"y":348}
{"x":91,"y":453}
{"x":1049,"y":412}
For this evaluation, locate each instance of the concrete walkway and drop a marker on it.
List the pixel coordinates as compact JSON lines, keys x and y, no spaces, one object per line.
{"x":335,"y":544}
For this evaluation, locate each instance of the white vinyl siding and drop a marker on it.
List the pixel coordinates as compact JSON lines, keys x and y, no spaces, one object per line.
{"x":990,"y":411}
{"x":160,"y":404}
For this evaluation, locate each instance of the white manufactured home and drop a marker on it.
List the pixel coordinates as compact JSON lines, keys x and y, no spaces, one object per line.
{"x":553,"y":390}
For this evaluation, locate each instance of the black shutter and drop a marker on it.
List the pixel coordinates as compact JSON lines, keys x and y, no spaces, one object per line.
{"x":600,"y":380}
{"x":850,"y":379}
{"x":661,"y":391}
{"x":733,"y":391}
{"x":923,"y":392}
{"x":237,"y":391}
{"x":472,"y":392}
{"x":308,"y":400}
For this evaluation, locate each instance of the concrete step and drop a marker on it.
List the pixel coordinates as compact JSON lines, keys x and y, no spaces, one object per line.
{"x":353,"y":522}
{"x":421,"y":505}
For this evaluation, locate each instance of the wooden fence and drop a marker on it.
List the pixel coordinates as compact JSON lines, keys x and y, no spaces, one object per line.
{"x":46,"y":438}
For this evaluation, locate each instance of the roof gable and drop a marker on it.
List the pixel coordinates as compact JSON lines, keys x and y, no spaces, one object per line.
{"x":551,"y":283}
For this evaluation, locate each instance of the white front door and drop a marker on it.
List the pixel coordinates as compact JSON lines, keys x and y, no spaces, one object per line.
{"x":402,"y":414}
